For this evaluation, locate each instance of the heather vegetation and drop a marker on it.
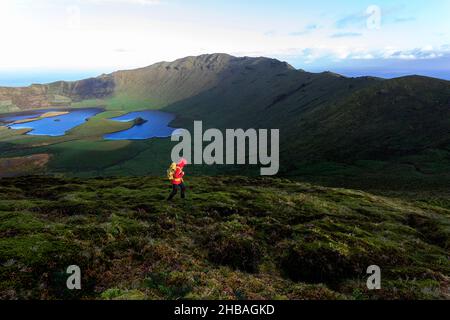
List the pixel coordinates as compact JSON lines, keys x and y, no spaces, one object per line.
{"x":232,"y":238}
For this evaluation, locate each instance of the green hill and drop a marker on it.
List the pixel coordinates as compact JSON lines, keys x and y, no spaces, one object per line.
{"x":233,"y":238}
{"x":332,"y":128}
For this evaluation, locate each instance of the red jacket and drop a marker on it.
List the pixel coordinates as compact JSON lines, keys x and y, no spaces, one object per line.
{"x":178,"y":175}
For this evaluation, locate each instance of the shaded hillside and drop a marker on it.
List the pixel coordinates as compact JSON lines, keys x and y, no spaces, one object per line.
{"x":390,"y":118}
{"x":264,"y":96}
{"x":233,"y":238}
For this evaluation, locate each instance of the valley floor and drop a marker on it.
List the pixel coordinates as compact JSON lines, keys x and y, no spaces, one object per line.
{"x":232,"y":238}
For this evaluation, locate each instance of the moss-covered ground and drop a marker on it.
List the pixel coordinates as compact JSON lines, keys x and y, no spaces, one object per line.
{"x":232,"y":238}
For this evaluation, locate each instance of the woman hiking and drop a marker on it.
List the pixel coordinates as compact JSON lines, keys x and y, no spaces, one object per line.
{"x":176,"y":174}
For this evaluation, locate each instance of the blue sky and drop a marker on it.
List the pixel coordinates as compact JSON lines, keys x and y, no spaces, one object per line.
{"x":46,"y":40}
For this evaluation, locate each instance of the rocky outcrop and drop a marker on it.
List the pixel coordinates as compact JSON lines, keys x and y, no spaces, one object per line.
{"x":139,"y":121}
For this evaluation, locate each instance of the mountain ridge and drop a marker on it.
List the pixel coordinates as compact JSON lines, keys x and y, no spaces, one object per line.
{"x":165,"y":79}
{"x":64,"y":93}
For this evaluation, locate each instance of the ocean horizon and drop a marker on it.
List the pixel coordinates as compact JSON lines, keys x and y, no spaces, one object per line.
{"x":25,"y":78}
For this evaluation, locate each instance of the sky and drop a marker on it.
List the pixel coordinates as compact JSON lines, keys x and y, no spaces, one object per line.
{"x":46,"y":40}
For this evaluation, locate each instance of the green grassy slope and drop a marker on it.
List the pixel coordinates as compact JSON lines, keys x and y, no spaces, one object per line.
{"x":233,"y":238}
{"x":391,"y":118}
{"x":395,"y":130}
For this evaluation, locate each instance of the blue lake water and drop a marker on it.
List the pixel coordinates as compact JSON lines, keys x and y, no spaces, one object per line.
{"x":55,"y":126}
{"x":156,"y":126}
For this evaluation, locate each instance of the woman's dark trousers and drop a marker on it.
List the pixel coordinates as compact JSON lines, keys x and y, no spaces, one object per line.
{"x":175,"y":190}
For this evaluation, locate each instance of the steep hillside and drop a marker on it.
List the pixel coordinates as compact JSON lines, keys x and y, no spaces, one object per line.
{"x":390,"y":118}
{"x":168,"y":82}
{"x":232,"y":238}
{"x":56,"y":94}
{"x":265,"y":96}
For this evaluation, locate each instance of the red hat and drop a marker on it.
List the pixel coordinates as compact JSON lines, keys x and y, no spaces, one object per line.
{"x":182,"y":162}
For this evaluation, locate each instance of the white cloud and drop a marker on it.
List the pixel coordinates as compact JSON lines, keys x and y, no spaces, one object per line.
{"x":342,"y":53}
{"x":60,"y":35}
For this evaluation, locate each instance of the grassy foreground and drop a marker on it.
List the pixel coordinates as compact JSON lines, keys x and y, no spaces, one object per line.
{"x":232,"y":238}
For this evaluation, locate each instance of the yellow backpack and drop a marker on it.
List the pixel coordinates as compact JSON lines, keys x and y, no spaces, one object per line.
{"x":171,"y":171}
